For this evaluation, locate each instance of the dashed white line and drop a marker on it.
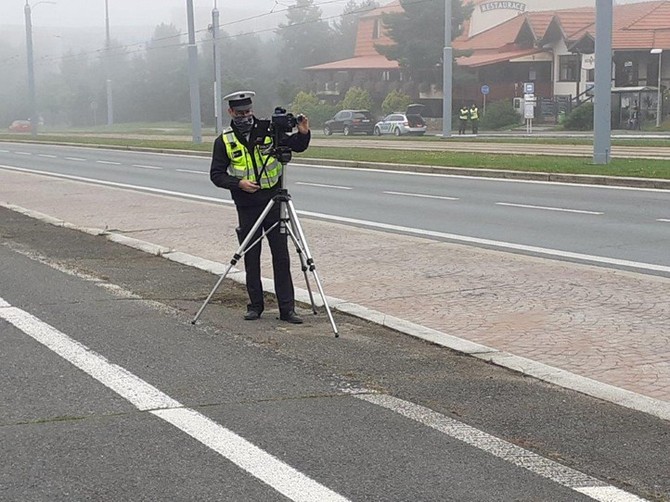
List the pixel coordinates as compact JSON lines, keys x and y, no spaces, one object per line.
{"x":565,"y":476}
{"x":280,"y":476}
{"x":190,"y":171}
{"x":79,"y":159}
{"x":664,"y":220}
{"x":424,"y":196}
{"x":108,"y":162}
{"x":565,"y":210}
{"x":146,"y":167}
{"x":47,"y":156}
{"x":23,"y":153}
{"x":4,"y":151}
{"x":323,"y":186}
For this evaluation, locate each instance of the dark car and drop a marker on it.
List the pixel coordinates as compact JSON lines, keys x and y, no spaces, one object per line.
{"x":350,"y":122}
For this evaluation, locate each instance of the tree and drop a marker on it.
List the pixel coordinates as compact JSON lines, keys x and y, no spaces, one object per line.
{"x":305,"y":39}
{"x":346,"y":29}
{"x":357,"y":99}
{"x":395,"y":101}
{"x":418,"y":33}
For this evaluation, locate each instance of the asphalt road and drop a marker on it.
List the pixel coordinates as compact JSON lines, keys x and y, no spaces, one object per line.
{"x":617,"y":227}
{"x":109,"y":393}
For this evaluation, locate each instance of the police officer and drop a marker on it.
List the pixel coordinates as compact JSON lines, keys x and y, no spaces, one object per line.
{"x":463,"y":116}
{"x":253,"y":178}
{"x":474,"y":117}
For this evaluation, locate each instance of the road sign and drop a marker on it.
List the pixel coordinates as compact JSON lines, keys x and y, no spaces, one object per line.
{"x":485,"y":90}
{"x":529,"y":87}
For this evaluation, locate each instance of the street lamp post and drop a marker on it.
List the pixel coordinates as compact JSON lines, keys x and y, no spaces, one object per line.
{"x":447,"y":62}
{"x":34,"y":117}
{"x":110,"y":100}
{"x":658,"y":96}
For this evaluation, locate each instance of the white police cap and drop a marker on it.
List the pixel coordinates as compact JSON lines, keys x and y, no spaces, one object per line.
{"x":240,"y":100}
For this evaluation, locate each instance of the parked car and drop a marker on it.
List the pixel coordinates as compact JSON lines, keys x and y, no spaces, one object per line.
{"x":20,"y":126}
{"x":410,"y":122}
{"x":350,"y":122}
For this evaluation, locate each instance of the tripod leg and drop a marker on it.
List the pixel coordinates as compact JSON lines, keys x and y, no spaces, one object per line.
{"x":303,"y":265}
{"x":241,"y":251}
{"x":293,"y":217}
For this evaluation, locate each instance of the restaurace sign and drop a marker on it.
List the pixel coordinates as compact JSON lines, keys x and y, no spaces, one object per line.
{"x":488,"y":6}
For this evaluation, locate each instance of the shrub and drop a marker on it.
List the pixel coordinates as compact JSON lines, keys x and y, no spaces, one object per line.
{"x":395,"y":101}
{"x":580,"y":119}
{"x":357,"y":99}
{"x":500,"y":114}
{"x":310,"y":105}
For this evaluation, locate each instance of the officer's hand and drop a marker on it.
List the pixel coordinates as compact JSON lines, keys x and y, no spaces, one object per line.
{"x":303,"y":125}
{"x":249,"y":186}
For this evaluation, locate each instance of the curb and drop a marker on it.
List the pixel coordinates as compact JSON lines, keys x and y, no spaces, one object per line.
{"x":540,"y":371}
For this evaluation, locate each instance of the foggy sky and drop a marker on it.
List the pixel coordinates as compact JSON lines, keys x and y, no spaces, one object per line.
{"x":91,"y":13}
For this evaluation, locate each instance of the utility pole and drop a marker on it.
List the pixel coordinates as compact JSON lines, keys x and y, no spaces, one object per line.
{"x":193,"y":75}
{"x":447,"y":62}
{"x":217,"y":70}
{"x":110,"y":101}
{"x":602,"y":107}
{"x":31,"y":72}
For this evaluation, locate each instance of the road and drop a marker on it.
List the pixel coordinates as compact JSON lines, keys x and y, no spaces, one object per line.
{"x":110,"y":393}
{"x":616,"y":227}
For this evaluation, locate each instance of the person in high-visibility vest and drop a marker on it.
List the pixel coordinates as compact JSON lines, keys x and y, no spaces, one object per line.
{"x":240,"y":165}
{"x":463,"y":116}
{"x":474,"y":118}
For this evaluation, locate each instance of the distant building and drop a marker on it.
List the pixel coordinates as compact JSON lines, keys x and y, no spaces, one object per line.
{"x":507,"y":43}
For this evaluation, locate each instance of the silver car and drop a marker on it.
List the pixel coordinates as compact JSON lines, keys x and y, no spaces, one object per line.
{"x":399,"y":123}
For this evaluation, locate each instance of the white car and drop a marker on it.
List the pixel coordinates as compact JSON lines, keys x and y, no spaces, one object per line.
{"x":399,"y":123}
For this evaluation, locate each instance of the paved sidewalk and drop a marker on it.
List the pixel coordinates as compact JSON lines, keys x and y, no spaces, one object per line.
{"x":607,"y":325}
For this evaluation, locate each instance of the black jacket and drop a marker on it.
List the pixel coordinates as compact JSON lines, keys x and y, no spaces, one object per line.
{"x":218,"y":172}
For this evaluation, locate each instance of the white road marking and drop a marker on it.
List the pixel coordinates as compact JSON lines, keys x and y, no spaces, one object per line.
{"x":74,"y":158}
{"x":323,"y":186}
{"x":23,"y":153}
{"x":664,"y":220}
{"x":280,"y":476}
{"x":4,"y":151}
{"x":146,"y":167}
{"x":190,"y":171}
{"x":47,"y":156}
{"x":423,"y":195}
{"x":382,"y":226}
{"x":108,"y":162}
{"x":528,"y":206}
{"x":565,"y":476}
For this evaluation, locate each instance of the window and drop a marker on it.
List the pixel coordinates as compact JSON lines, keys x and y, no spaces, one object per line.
{"x":567,"y":68}
{"x":376,"y":31}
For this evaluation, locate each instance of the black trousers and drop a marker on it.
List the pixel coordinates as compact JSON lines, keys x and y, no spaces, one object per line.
{"x":462,"y":125}
{"x":281,"y":267}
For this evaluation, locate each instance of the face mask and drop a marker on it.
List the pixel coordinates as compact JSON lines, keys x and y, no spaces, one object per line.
{"x":243,"y":124}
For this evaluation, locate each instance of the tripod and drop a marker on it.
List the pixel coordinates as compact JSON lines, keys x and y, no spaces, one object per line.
{"x":290,"y":224}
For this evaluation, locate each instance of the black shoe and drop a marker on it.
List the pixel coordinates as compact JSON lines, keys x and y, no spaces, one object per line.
{"x":291,"y":317}
{"x":252,"y":315}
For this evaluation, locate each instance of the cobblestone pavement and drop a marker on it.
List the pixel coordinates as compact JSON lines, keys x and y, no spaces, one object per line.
{"x":611,"y":326}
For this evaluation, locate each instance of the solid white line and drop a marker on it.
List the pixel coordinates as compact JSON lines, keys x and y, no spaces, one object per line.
{"x":146,"y":167}
{"x":323,"y":186}
{"x":47,"y":156}
{"x":423,"y":195}
{"x":191,"y":171}
{"x":108,"y":162}
{"x":489,"y":242}
{"x":267,"y":468}
{"x":74,"y":158}
{"x":547,"y":208}
{"x":381,"y":226}
{"x":508,"y":452}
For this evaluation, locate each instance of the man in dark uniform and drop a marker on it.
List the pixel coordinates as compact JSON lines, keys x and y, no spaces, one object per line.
{"x":253,"y":178}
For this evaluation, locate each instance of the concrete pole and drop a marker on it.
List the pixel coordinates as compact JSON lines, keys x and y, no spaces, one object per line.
{"x":447,"y":61}
{"x":602,"y":127}
{"x":659,"y":96}
{"x":217,"y":71}
{"x":193,"y":75}
{"x":34,"y":119}
{"x":110,"y":100}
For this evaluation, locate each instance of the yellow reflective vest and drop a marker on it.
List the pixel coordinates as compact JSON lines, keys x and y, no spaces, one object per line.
{"x":465,"y":113}
{"x":474,"y":113}
{"x":242,"y":163}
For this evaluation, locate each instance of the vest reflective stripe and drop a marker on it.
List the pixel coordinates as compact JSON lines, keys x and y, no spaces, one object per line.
{"x":464,"y":114}
{"x":242,"y":165}
{"x":474,"y":114}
